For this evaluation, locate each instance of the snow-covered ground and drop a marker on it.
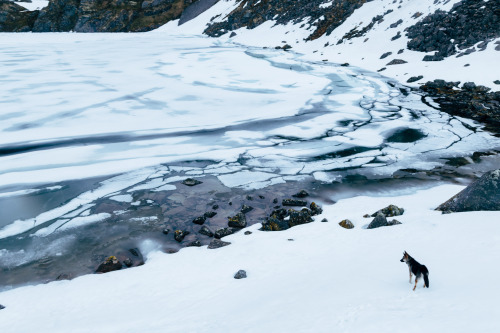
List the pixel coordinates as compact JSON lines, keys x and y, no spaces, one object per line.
{"x":364,"y":51}
{"x":317,"y":277}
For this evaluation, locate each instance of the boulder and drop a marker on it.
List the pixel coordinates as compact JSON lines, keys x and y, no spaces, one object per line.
{"x":315,"y":209}
{"x":200,"y":220}
{"x":191,"y":182}
{"x":2,"y":307}
{"x":299,"y":217}
{"x":274,"y":224}
{"x":482,"y":194}
{"x":390,"y":211}
{"x":180,"y":234}
{"x":206,"y":231}
{"x":378,"y":221}
{"x":109,"y":264}
{"x":209,"y":215}
{"x":241,"y":274}
{"x":293,"y":202}
{"x":216,"y":243}
{"x":223,"y":232}
{"x":301,"y":194}
{"x":347,"y":224}
{"x":245,"y":209}
{"x":237,"y":221}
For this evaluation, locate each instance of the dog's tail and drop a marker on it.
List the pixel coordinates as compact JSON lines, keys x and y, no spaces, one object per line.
{"x":425,"y":273}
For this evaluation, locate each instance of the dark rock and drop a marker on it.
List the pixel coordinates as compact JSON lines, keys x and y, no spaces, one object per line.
{"x":63,"y":276}
{"x":395,"y":24}
{"x":482,"y":194}
{"x":216,"y":243}
{"x":393,"y":222}
{"x":206,"y":231}
{"x":215,"y":207}
{"x":241,"y":274}
{"x":245,"y":209}
{"x":233,"y":34}
{"x":378,"y":221}
{"x":191,"y":182}
{"x":2,"y":307}
{"x":180,"y":234}
{"x":401,"y":51}
{"x":396,"y":62}
{"x":299,"y":217}
{"x":301,"y":194}
{"x":385,"y":55}
{"x":290,"y":239}
{"x":280,"y":213}
{"x":109,"y":265}
{"x":315,"y":209}
{"x":390,"y":211}
{"x":382,"y":69}
{"x":199,"y":220}
{"x":195,"y":243}
{"x":128,"y":262}
{"x":366,"y":216}
{"x":274,"y":224}
{"x":223,"y":232}
{"x":347,"y":224}
{"x":435,"y":57}
{"x":166,"y":231}
{"x":397,"y":36}
{"x":248,"y":232}
{"x":496,"y":82}
{"x":237,"y":221}
{"x":324,"y":220}
{"x":345,"y":64}
{"x":415,"y":78}
{"x":249,"y":197}
{"x":261,"y":197}
{"x":275,"y":200}
{"x":293,"y":202}
{"x":286,"y":47}
{"x":209,"y":215}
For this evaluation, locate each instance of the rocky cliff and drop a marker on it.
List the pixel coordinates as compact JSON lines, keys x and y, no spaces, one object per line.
{"x":92,"y":15}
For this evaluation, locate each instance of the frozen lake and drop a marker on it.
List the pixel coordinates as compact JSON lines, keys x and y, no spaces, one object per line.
{"x":92,"y":125}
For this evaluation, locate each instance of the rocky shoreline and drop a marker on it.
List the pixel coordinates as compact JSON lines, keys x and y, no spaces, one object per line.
{"x":469,"y":101}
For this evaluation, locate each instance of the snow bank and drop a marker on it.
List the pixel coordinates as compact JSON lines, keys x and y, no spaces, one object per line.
{"x":327,"y":279}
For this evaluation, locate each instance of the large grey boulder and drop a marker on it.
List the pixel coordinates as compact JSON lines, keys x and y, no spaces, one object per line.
{"x":483,"y":194}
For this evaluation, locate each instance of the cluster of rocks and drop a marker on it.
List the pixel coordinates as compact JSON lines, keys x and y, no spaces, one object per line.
{"x":470,"y":101}
{"x":381,"y":216}
{"x":91,"y":15}
{"x":252,"y":13}
{"x":130,"y":258}
{"x":356,"y":32}
{"x":283,"y":219}
{"x":469,"y":22}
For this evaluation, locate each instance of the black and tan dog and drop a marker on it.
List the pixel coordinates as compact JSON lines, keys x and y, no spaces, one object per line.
{"x":417,"y":269}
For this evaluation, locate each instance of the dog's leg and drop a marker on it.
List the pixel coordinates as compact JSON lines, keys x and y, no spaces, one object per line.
{"x":416,"y":280}
{"x":410,"y":273}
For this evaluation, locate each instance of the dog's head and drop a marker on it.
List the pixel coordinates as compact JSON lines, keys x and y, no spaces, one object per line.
{"x":406,"y":257}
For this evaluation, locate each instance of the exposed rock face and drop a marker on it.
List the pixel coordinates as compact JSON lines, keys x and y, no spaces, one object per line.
{"x":475,"y":102}
{"x":196,"y":9}
{"x":483,"y":194}
{"x":14,"y":18}
{"x":466,"y":24}
{"x":378,"y":221}
{"x":252,"y":13}
{"x":106,"y":15}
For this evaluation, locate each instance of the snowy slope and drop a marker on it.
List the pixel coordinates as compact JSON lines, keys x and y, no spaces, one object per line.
{"x":317,"y":277}
{"x":364,"y":51}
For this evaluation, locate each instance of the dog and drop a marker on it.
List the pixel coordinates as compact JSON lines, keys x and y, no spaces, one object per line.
{"x":417,"y":269}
